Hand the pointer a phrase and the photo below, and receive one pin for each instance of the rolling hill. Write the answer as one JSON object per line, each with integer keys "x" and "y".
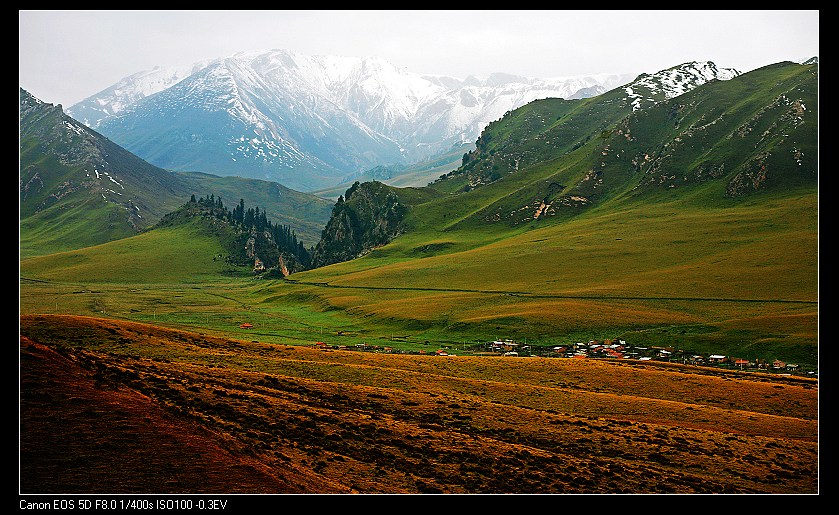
{"x": 305, "y": 213}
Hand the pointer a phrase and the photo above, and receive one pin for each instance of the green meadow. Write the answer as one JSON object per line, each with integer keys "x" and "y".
{"x": 739, "y": 280}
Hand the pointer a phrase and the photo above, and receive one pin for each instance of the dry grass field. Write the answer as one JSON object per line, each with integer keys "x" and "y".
{"x": 117, "y": 407}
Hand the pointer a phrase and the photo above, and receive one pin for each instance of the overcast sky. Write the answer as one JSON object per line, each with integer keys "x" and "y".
{"x": 66, "y": 56}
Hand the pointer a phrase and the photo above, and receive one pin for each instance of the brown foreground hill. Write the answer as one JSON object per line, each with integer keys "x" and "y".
{"x": 116, "y": 407}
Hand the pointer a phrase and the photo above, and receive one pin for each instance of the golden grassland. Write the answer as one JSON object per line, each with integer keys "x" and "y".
{"x": 308, "y": 420}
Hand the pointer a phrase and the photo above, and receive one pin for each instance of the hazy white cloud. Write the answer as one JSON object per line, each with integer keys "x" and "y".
{"x": 66, "y": 56}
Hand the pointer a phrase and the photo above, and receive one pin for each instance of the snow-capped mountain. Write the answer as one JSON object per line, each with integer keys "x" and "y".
{"x": 460, "y": 113}
{"x": 309, "y": 121}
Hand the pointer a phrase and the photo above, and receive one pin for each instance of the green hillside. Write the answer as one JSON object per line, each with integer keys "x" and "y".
{"x": 79, "y": 189}
{"x": 180, "y": 254}
{"x": 556, "y": 158}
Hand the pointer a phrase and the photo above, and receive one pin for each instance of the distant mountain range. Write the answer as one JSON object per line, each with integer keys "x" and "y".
{"x": 307, "y": 121}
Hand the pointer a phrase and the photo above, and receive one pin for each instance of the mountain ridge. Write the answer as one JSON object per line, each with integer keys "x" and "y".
{"x": 71, "y": 173}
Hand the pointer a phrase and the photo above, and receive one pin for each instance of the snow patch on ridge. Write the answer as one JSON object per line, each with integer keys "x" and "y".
{"x": 73, "y": 127}
{"x": 675, "y": 81}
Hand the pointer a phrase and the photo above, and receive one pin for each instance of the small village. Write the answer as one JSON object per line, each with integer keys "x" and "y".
{"x": 617, "y": 349}
{"x": 606, "y": 349}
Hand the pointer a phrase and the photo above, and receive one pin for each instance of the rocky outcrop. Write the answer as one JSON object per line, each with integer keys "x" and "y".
{"x": 369, "y": 215}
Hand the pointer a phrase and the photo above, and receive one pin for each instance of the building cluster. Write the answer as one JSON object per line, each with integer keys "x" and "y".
{"x": 608, "y": 349}
{"x": 619, "y": 349}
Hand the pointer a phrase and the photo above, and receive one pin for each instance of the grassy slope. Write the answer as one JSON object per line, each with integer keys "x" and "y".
{"x": 602, "y": 275}
{"x": 170, "y": 255}
{"x": 97, "y": 222}
{"x": 747, "y": 251}
{"x": 56, "y": 217}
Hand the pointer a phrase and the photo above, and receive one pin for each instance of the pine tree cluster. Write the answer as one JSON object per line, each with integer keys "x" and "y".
{"x": 256, "y": 221}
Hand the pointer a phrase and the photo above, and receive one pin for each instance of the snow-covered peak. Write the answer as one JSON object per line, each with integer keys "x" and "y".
{"x": 675, "y": 81}
{"x": 129, "y": 90}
